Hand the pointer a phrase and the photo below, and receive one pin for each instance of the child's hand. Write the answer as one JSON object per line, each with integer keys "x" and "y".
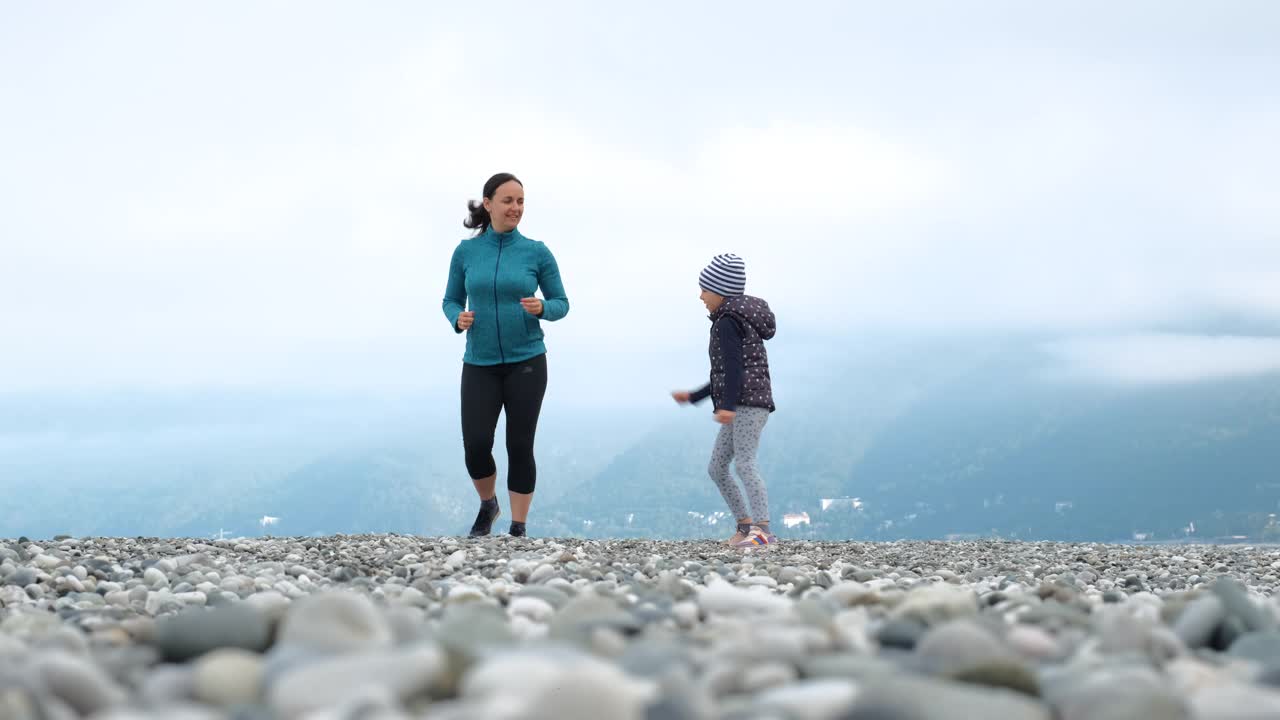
{"x": 724, "y": 417}
{"x": 465, "y": 319}
{"x": 680, "y": 397}
{"x": 532, "y": 305}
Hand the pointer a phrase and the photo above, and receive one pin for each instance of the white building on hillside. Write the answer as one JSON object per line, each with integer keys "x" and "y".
{"x": 794, "y": 519}
{"x": 850, "y": 503}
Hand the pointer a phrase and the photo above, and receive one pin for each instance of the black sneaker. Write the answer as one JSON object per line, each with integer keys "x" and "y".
{"x": 517, "y": 529}
{"x": 484, "y": 520}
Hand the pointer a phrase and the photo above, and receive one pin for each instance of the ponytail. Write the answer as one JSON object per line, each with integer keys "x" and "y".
{"x": 479, "y": 219}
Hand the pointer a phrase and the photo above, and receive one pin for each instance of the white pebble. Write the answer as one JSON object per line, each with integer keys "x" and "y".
{"x": 533, "y": 608}
{"x": 721, "y": 597}
{"x": 685, "y": 613}
{"x": 543, "y": 572}
{"x": 464, "y": 593}
{"x": 810, "y": 699}
{"x": 47, "y": 562}
{"x": 194, "y": 599}
{"x": 456, "y": 560}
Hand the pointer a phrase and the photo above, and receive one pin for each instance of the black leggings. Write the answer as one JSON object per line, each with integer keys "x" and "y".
{"x": 486, "y": 391}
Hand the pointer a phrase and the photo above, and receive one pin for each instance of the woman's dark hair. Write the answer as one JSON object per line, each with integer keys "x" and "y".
{"x": 479, "y": 220}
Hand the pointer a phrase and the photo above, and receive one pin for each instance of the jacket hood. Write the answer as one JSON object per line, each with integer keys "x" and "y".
{"x": 751, "y": 310}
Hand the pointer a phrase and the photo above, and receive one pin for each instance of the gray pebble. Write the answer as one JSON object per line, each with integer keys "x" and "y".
{"x": 1199, "y": 620}
{"x": 192, "y": 633}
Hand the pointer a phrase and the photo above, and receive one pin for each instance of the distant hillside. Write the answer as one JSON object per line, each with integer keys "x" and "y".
{"x": 877, "y": 441}
{"x": 206, "y": 463}
{"x": 947, "y": 441}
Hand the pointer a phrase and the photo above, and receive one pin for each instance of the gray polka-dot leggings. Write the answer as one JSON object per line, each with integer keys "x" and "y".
{"x": 737, "y": 443}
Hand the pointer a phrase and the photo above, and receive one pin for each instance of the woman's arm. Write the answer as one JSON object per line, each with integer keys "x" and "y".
{"x": 455, "y": 291}
{"x": 555, "y": 304}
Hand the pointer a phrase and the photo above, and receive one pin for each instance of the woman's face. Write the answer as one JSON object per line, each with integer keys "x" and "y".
{"x": 506, "y": 206}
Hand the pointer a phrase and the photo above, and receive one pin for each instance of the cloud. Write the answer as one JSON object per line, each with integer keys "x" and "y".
{"x": 288, "y": 210}
{"x": 1243, "y": 180}
{"x": 799, "y": 172}
{"x": 1164, "y": 359}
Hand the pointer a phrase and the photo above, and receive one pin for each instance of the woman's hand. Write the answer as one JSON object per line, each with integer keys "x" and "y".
{"x": 532, "y": 305}
{"x": 724, "y": 417}
{"x": 680, "y": 397}
{"x": 466, "y": 319}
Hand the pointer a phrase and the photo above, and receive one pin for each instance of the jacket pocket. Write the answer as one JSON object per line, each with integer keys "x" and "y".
{"x": 532, "y": 326}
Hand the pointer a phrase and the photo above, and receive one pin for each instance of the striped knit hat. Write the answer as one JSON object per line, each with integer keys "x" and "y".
{"x": 726, "y": 275}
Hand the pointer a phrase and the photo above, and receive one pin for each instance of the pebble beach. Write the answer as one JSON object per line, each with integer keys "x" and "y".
{"x": 394, "y": 626}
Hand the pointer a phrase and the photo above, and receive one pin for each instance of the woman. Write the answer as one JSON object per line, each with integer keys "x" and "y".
{"x": 505, "y": 364}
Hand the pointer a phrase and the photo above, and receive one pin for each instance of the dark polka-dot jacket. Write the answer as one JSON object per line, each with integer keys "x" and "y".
{"x": 755, "y": 324}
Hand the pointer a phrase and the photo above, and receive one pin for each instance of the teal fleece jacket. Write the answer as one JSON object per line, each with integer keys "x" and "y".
{"x": 495, "y": 271}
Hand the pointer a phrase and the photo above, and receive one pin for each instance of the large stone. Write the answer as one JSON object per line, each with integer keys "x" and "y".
{"x": 533, "y": 608}
{"x": 1199, "y": 620}
{"x": 766, "y": 675}
{"x": 472, "y": 630}
{"x": 228, "y": 677}
{"x": 192, "y": 633}
{"x": 556, "y": 685}
{"x": 18, "y": 703}
{"x": 1115, "y": 692}
{"x": 1237, "y": 603}
{"x": 1034, "y": 643}
{"x": 901, "y": 633}
{"x": 1236, "y": 702}
{"x": 48, "y": 562}
{"x": 335, "y": 622}
{"x": 405, "y": 672}
{"x": 959, "y": 645}
{"x": 29, "y": 625}
{"x": 12, "y": 596}
{"x": 909, "y": 698}
{"x": 557, "y": 598}
{"x": 1008, "y": 674}
{"x": 1231, "y": 629}
{"x": 937, "y": 604}
{"x": 11, "y": 648}
{"x": 1260, "y": 647}
{"x": 808, "y": 700}
{"x": 1054, "y": 615}
{"x": 271, "y": 604}
{"x": 720, "y": 597}
{"x": 848, "y": 594}
{"x": 579, "y": 619}
{"x": 166, "y": 684}
{"x": 155, "y": 578}
{"x": 77, "y": 681}
{"x": 655, "y": 659}
{"x": 852, "y": 666}
{"x": 21, "y": 577}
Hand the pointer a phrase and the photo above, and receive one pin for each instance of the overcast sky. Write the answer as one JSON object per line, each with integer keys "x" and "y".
{"x": 269, "y": 192}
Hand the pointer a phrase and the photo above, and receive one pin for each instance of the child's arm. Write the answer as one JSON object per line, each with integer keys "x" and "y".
{"x": 731, "y": 347}
{"x": 731, "y": 350}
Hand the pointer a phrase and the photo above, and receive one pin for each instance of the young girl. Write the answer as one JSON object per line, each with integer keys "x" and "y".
{"x": 740, "y": 391}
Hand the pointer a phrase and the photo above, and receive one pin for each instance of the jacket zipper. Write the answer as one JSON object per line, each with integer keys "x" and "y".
{"x": 497, "y": 311}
